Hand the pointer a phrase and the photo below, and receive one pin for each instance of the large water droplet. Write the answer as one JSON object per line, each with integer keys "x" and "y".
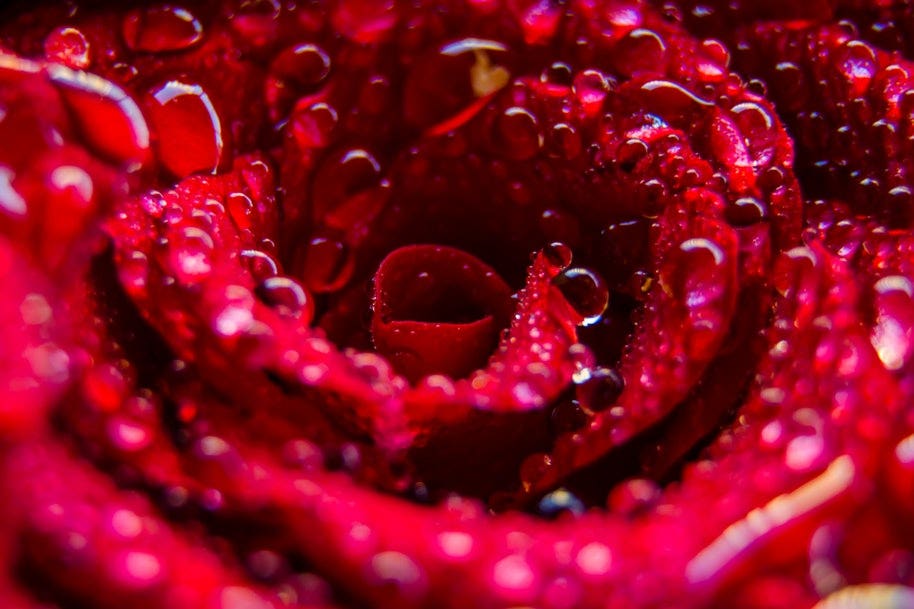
{"x": 188, "y": 128}
{"x": 893, "y": 332}
{"x": 640, "y": 51}
{"x": 94, "y": 101}
{"x": 287, "y": 296}
{"x": 585, "y": 292}
{"x": 297, "y": 71}
{"x": 327, "y": 265}
{"x": 598, "y": 389}
{"x": 157, "y": 29}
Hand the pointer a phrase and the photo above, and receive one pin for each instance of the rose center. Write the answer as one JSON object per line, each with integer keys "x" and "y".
{"x": 437, "y": 310}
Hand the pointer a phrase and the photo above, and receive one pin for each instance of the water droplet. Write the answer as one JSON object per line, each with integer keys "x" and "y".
{"x": 746, "y": 211}
{"x": 857, "y": 62}
{"x": 559, "y": 75}
{"x": 128, "y": 435}
{"x": 158, "y": 29}
{"x": 314, "y": 126}
{"x": 791, "y": 84}
{"x": 630, "y": 152}
{"x": 398, "y": 569}
{"x": 640, "y": 51}
{"x": 594, "y": 559}
{"x": 599, "y": 389}
{"x": 672, "y": 101}
{"x": 297, "y": 71}
{"x": 265, "y": 565}
{"x": 893, "y": 332}
{"x": 517, "y": 134}
{"x": 302, "y": 454}
{"x": 591, "y": 88}
{"x": 633, "y": 497}
{"x": 693, "y": 276}
{"x": 364, "y": 21}
{"x": 539, "y": 19}
{"x": 585, "y": 292}
{"x": 95, "y": 101}
{"x": 189, "y": 255}
{"x": 565, "y": 141}
{"x": 514, "y": 574}
{"x": 558, "y": 255}
{"x": 260, "y": 264}
{"x": 287, "y": 297}
{"x": 327, "y": 265}
{"x": 558, "y": 502}
{"x": 188, "y": 128}
{"x": 348, "y": 189}
{"x": 566, "y": 416}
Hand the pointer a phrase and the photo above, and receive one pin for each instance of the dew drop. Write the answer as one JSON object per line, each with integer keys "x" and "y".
{"x": 94, "y": 101}
{"x": 297, "y": 71}
{"x": 640, "y": 51}
{"x": 585, "y": 292}
{"x": 857, "y": 62}
{"x": 590, "y": 89}
{"x": 188, "y": 128}
{"x": 287, "y": 297}
{"x": 327, "y": 265}
{"x": 893, "y": 333}
{"x": 558, "y": 502}
{"x": 558, "y": 255}
{"x": 633, "y": 496}
{"x": 364, "y": 21}
{"x": 260, "y": 264}
{"x": 517, "y": 134}
{"x": 599, "y": 389}
{"x": 189, "y": 255}
{"x": 157, "y": 29}
{"x": 566, "y": 416}
{"x": 694, "y": 277}
{"x": 314, "y": 126}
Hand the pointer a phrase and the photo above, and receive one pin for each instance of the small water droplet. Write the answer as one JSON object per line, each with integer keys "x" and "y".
{"x": 558, "y": 502}
{"x": 189, "y": 255}
{"x": 558, "y": 255}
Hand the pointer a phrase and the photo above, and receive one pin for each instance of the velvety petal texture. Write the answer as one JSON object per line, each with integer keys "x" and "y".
{"x": 446, "y": 303}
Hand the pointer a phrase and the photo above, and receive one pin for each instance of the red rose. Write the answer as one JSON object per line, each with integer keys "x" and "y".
{"x": 503, "y": 303}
